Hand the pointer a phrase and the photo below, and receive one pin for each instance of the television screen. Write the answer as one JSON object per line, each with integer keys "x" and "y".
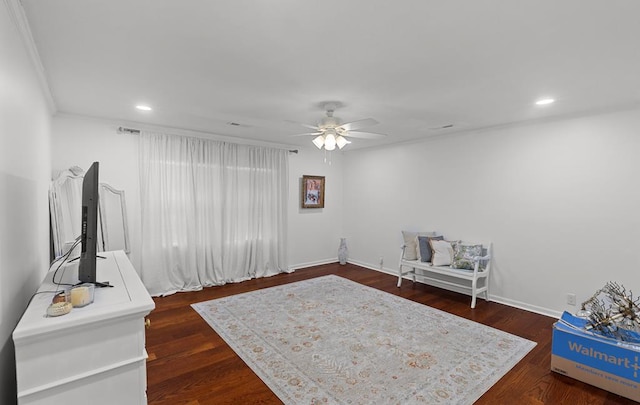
{"x": 89, "y": 226}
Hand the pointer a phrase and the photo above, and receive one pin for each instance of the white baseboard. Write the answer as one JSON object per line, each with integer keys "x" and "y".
{"x": 527, "y": 307}
{"x": 311, "y": 264}
{"x": 500, "y": 300}
{"x": 371, "y": 267}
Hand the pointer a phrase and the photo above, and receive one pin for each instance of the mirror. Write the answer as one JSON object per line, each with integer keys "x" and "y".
{"x": 113, "y": 219}
{"x": 65, "y": 205}
{"x": 65, "y": 201}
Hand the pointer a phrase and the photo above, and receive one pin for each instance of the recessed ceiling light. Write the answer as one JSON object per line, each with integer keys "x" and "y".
{"x": 143, "y": 107}
{"x": 545, "y": 101}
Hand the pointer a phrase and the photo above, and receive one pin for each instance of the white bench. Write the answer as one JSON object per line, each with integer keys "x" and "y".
{"x": 476, "y": 280}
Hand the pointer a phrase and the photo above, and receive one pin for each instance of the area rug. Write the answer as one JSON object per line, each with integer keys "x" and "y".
{"x": 330, "y": 340}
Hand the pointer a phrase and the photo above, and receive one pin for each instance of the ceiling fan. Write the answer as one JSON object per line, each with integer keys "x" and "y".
{"x": 330, "y": 132}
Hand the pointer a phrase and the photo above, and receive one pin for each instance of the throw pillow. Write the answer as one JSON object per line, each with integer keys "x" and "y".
{"x": 411, "y": 247}
{"x": 463, "y": 256}
{"x": 424, "y": 248}
{"x": 442, "y": 252}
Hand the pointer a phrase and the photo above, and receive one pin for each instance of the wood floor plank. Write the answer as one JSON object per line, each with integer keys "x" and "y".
{"x": 190, "y": 364}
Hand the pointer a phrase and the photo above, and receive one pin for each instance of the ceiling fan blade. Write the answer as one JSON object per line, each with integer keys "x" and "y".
{"x": 354, "y": 125}
{"x": 364, "y": 135}
{"x": 308, "y": 134}
{"x": 304, "y": 125}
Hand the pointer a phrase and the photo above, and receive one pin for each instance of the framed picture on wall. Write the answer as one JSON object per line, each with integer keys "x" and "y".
{"x": 312, "y": 192}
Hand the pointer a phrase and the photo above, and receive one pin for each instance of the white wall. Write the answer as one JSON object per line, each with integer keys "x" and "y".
{"x": 24, "y": 173}
{"x": 559, "y": 200}
{"x": 80, "y": 141}
{"x": 313, "y": 233}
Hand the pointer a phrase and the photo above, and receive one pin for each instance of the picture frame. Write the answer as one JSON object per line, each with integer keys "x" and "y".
{"x": 312, "y": 195}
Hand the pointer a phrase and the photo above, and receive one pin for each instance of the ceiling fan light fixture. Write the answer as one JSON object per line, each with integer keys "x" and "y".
{"x": 341, "y": 141}
{"x": 318, "y": 141}
{"x": 330, "y": 142}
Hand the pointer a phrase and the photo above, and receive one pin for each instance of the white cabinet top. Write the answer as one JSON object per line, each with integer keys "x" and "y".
{"x": 127, "y": 297}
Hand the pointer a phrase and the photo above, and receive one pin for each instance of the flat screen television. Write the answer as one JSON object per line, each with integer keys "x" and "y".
{"x": 89, "y": 227}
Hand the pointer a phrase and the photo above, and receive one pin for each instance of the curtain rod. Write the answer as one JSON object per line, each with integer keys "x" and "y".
{"x": 124, "y": 130}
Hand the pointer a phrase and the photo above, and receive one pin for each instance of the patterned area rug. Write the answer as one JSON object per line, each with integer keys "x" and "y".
{"x": 331, "y": 340}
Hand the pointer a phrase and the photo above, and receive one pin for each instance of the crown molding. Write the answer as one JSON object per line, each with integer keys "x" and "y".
{"x": 19, "y": 18}
{"x": 146, "y": 127}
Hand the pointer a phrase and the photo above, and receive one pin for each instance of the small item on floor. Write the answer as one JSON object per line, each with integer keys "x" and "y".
{"x": 343, "y": 252}
{"x": 600, "y": 345}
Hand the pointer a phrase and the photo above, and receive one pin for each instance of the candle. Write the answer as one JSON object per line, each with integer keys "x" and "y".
{"x": 80, "y": 296}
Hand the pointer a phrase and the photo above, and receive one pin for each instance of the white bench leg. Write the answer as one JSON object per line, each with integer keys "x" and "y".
{"x": 474, "y": 294}
{"x": 399, "y": 276}
{"x": 486, "y": 292}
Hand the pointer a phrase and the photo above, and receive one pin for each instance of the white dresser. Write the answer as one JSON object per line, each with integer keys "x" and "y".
{"x": 95, "y": 354}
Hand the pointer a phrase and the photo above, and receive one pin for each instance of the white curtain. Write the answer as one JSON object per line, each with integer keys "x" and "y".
{"x": 212, "y": 212}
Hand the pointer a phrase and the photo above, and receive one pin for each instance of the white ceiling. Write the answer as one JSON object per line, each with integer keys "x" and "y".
{"x": 413, "y": 65}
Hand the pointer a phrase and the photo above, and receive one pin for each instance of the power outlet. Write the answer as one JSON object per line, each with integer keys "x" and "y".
{"x": 571, "y": 299}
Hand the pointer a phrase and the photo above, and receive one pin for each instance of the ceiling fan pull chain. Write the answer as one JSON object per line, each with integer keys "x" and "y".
{"x": 327, "y": 161}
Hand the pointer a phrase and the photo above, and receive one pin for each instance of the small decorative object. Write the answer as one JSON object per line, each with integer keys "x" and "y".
{"x": 82, "y": 295}
{"x": 312, "y": 192}
{"x": 613, "y": 312}
{"x": 343, "y": 252}
{"x": 62, "y": 296}
{"x": 59, "y": 309}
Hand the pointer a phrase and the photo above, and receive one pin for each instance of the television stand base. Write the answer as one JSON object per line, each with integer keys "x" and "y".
{"x": 102, "y": 284}
{"x": 97, "y": 284}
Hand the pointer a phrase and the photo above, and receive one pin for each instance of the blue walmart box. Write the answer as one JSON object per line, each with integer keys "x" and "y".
{"x": 596, "y": 360}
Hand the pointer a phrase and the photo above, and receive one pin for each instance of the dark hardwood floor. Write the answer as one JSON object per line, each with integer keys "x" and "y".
{"x": 190, "y": 364}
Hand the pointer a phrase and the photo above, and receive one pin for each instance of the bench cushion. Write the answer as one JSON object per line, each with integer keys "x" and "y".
{"x": 446, "y": 270}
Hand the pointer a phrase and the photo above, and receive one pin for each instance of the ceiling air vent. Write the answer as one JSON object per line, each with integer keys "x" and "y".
{"x": 238, "y": 124}
{"x": 441, "y": 127}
